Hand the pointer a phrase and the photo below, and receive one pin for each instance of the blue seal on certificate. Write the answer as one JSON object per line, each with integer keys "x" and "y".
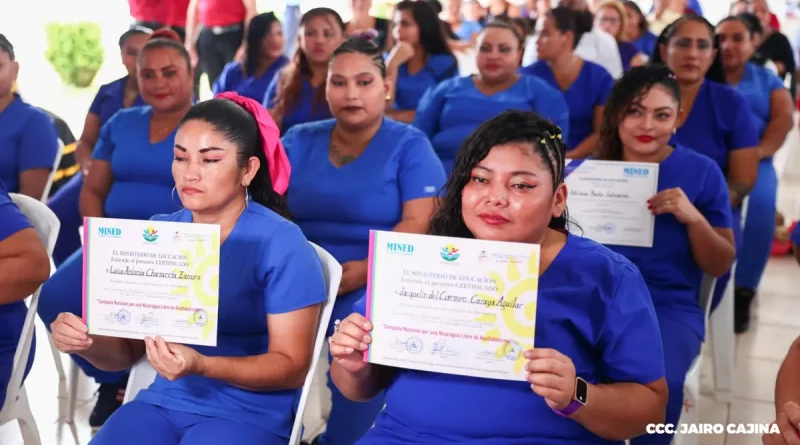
{"x": 414, "y": 345}
{"x": 123, "y": 316}
{"x": 512, "y": 351}
{"x": 200, "y": 317}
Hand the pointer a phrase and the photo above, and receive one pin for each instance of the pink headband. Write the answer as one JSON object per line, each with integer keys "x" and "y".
{"x": 277, "y": 161}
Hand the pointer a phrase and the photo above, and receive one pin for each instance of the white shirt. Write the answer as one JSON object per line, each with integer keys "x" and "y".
{"x": 595, "y": 46}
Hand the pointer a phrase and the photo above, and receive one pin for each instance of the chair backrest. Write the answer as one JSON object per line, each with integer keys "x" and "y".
{"x": 707, "y": 294}
{"x": 56, "y": 164}
{"x": 47, "y": 225}
{"x": 142, "y": 374}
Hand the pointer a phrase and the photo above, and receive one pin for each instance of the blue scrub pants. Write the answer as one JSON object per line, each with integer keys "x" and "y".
{"x": 348, "y": 421}
{"x": 63, "y": 292}
{"x": 722, "y": 282}
{"x": 65, "y": 205}
{"x": 681, "y": 346}
{"x": 136, "y": 423}
{"x": 759, "y": 229}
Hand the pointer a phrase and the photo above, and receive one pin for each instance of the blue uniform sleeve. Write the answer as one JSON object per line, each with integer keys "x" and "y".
{"x": 272, "y": 90}
{"x": 603, "y": 84}
{"x": 550, "y": 103}
{"x": 630, "y": 341}
{"x": 97, "y": 103}
{"x": 290, "y": 146}
{"x": 429, "y": 110}
{"x": 293, "y": 273}
{"x": 11, "y": 219}
{"x": 773, "y": 82}
{"x": 743, "y": 132}
{"x": 420, "y": 173}
{"x": 220, "y": 85}
{"x": 38, "y": 146}
{"x": 444, "y": 66}
{"x": 104, "y": 147}
{"x": 713, "y": 200}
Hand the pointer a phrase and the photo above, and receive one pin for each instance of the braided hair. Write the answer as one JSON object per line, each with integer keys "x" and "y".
{"x": 509, "y": 127}
{"x": 362, "y": 44}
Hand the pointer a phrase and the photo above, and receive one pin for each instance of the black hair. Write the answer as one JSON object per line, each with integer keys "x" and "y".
{"x": 750, "y": 21}
{"x": 257, "y": 30}
{"x": 431, "y": 31}
{"x": 508, "y": 127}
{"x": 133, "y": 31}
{"x": 566, "y": 19}
{"x": 502, "y": 24}
{"x": 636, "y": 9}
{"x": 715, "y": 72}
{"x": 166, "y": 38}
{"x": 6, "y": 47}
{"x": 240, "y": 128}
{"x": 629, "y": 89}
{"x": 365, "y": 46}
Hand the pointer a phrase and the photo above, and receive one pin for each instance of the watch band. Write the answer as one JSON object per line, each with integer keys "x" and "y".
{"x": 571, "y": 408}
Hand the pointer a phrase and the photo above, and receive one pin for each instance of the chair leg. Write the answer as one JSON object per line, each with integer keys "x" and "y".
{"x": 63, "y": 394}
{"x": 27, "y": 424}
{"x": 74, "y": 373}
{"x": 722, "y": 344}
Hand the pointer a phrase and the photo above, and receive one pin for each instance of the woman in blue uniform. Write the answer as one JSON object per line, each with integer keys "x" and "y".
{"x": 637, "y": 31}
{"x": 451, "y": 111}
{"x": 371, "y": 173}
{"x": 599, "y": 327}
{"x": 263, "y": 59}
{"x": 586, "y": 85}
{"x": 28, "y": 139}
{"x": 772, "y": 109}
{"x": 25, "y": 266}
{"x": 420, "y": 60}
{"x": 129, "y": 178}
{"x": 110, "y": 98}
{"x": 716, "y": 119}
{"x": 692, "y": 234}
{"x": 229, "y": 169}
{"x": 297, "y": 94}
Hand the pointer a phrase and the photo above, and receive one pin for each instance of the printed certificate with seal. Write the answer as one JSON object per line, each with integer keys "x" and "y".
{"x": 451, "y": 305}
{"x": 608, "y": 200}
{"x": 148, "y": 278}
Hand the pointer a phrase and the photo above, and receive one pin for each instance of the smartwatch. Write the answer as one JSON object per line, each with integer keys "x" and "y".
{"x": 579, "y": 399}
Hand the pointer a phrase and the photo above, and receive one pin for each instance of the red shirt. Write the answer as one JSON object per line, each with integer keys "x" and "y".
{"x": 177, "y": 12}
{"x": 149, "y": 10}
{"x": 221, "y": 12}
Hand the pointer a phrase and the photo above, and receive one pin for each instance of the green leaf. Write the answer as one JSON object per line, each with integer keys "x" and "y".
{"x": 75, "y": 50}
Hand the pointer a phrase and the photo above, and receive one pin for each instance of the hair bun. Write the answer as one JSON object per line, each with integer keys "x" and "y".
{"x": 166, "y": 33}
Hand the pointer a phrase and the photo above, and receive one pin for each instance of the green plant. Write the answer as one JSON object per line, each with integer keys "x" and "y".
{"x": 76, "y": 52}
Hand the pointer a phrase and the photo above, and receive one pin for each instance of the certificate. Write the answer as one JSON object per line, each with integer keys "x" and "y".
{"x": 148, "y": 278}
{"x": 608, "y": 200}
{"x": 451, "y": 305}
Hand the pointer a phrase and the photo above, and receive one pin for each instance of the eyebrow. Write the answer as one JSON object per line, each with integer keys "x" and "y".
{"x": 514, "y": 173}
{"x": 202, "y": 150}
{"x": 365, "y": 73}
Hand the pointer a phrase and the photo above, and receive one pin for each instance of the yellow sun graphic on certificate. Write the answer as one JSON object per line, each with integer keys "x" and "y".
{"x": 202, "y": 293}
{"x": 519, "y": 279}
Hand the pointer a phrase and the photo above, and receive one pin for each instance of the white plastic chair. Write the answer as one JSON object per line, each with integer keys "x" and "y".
{"x": 16, "y": 405}
{"x": 56, "y": 164}
{"x": 142, "y": 374}
{"x": 722, "y": 337}
{"x": 691, "y": 386}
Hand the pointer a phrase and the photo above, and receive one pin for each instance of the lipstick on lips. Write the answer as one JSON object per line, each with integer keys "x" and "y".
{"x": 645, "y": 138}
{"x": 493, "y": 219}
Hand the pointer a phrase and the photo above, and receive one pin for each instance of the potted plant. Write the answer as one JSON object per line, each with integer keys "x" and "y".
{"x": 76, "y": 52}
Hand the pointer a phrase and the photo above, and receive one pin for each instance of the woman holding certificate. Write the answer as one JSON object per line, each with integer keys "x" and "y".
{"x": 772, "y": 107}
{"x": 230, "y": 169}
{"x": 597, "y": 339}
{"x": 716, "y": 120}
{"x": 129, "y": 178}
{"x": 692, "y": 233}
{"x": 357, "y": 172}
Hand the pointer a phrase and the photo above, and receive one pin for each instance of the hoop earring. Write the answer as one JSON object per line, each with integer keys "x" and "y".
{"x": 172, "y": 197}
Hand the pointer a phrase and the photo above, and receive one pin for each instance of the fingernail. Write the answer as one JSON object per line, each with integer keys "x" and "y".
{"x": 367, "y": 325}
{"x": 348, "y": 350}
{"x": 528, "y": 354}
{"x": 366, "y": 339}
{"x": 363, "y": 346}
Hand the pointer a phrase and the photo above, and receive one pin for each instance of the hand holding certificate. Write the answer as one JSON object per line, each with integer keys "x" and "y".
{"x": 151, "y": 278}
{"x": 451, "y": 305}
{"x": 609, "y": 200}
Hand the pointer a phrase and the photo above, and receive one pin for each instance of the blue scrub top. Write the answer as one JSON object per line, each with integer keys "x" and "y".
{"x": 306, "y": 108}
{"x": 468, "y": 29}
{"x": 110, "y": 98}
{"x": 266, "y": 267}
{"x": 593, "y": 306}
{"x": 142, "y": 172}
{"x": 720, "y": 121}
{"x": 397, "y": 166}
{"x": 411, "y": 87}
{"x": 646, "y": 44}
{"x": 450, "y": 112}
{"x": 669, "y": 268}
{"x": 590, "y": 90}
{"x": 233, "y": 79}
{"x": 28, "y": 141}
{"x": 756, "y": 86}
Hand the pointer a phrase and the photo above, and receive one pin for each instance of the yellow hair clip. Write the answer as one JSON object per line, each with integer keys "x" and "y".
{"x": 544, "y": 141}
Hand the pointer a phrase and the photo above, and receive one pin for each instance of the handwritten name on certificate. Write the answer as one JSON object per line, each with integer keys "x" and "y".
{"x": 608, "y": 200}
{"x": 148, "y": 278}
{"x": 451, "y": 305}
